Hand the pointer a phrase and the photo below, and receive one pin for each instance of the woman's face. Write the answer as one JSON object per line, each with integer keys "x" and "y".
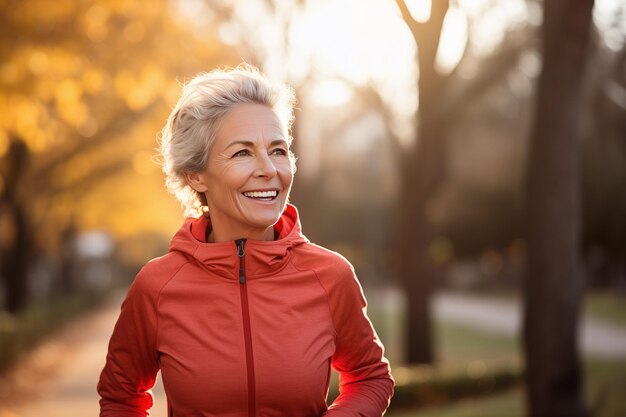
{"x": 248, "y": 175}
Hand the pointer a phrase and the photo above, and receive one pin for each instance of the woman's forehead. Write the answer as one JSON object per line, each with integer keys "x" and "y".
{"x": 250, "y": 122}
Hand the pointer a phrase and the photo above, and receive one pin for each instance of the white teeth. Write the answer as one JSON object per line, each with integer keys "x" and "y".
{"x": 261, "y": 194}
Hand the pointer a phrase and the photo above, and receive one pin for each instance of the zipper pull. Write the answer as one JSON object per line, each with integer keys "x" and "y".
{"x": 241, "y": 252}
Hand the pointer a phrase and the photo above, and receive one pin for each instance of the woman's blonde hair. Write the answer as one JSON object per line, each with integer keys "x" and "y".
{"x": 186, "y": 139}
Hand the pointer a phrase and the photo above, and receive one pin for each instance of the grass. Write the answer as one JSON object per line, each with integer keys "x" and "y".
{"x": 460, "y": 346}
{"x": 608, "y": 306}
{"x": 463, "y": 349}
{"x": 455, "y": 346}
{"x": 507, "y": 404}
{"x": 605, "y": 384}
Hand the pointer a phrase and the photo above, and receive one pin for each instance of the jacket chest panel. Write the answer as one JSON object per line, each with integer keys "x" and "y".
{"x": 201, "y": 346}
{"x": 203, "y": 351}
{"x": 294, "y": 345}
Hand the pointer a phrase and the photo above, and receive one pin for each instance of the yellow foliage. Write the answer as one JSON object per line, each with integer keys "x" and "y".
{"x": 134, "y": 31}
{"x": 38, "y": 140}
{"x": 44, "y": 12}
{"x": 10, "y": 73}
{"x": 143, "y": 163}
{"x": 24, "y": 114}
{"x": 67, "y": 91}
{"x": 38, "y": 62}
{"x": 63, "y": 63}
{"x": 141, "y": 90}
{"x": 123, "y": 82}
{"x": 88, "y": 128}
{"x": 172, "y": 91}
{"x": 24, "y": 117}
{"x": 93, "y": 80}
{"x": 5, "y": 117}
{"x": 68, "y": 102}
{"x": 95, "y": 22}
{"x": 131, "y": 204}
{"x": 45, "y": 88}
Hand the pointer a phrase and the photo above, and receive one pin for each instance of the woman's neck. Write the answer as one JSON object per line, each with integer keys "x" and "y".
{"x": 215, "y": 236}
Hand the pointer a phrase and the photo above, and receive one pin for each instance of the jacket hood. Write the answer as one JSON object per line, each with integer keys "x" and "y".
{"x": 262, "y": 258}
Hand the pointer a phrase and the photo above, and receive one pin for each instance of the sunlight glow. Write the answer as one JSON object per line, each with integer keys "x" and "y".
{"x": 453, "y": 40}
{"x": 419, "y": 9}
{"x": 331, "y": 93}
{"x": 358, "y": 40}
{"x": 606, "y": 15}
{"x": 363, "y": 42}
{"x": 492, "y": 21}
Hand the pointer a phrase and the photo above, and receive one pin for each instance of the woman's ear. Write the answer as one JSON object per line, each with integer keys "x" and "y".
{"x": 196, "y": 181}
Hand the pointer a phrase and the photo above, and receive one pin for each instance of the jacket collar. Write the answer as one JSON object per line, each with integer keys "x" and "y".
{"x": 261, "y": 258}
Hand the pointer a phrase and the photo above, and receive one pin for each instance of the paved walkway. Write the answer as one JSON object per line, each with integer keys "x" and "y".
{"x": 59, "y": 378}
{"x": 504, "y": 317}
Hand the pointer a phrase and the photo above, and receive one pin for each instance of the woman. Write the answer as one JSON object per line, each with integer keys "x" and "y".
{"x": 243, "y": 316}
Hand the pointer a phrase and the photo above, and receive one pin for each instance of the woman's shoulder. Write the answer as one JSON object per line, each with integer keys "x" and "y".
{"x": 323, "y": 261}
{"x": 159, "y": 271}
{"x": 312, "y": 253}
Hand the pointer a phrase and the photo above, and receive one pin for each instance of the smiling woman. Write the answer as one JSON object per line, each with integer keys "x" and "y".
{"x": 203, "y": 117}
{"x": 244, "y": 316}
{"x": 248, "y": 175}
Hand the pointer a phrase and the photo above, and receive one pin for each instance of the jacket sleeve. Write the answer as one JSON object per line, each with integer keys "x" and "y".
{"x": 365, "y": 381}
{"x": 132, "y": 360}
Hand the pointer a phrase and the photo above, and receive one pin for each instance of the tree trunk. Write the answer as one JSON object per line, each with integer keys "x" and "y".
{"x": 554, "y": 283}
{"x": 15, "y": 264}
{"x": 15, "y": 253}
{"x": 422, "y": 172}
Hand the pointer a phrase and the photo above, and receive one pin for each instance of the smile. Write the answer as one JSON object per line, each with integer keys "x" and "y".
{"x": 261, "y": 195}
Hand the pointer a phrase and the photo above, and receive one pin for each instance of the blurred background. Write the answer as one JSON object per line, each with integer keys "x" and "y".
{"x": 413, "y": 136}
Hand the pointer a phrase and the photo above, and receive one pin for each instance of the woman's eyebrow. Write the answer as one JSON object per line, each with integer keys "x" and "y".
{"x": 278, "y": 142}
{"x": 240, "y": 142}
{"x": 251, "y": 144}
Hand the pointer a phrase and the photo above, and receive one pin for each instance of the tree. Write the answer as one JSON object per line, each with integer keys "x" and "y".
{"x": 442, "y": 98}
{"x": 554, "y": 283}
{"x": 17, "y": 245}
{"x": 78, "y": 79}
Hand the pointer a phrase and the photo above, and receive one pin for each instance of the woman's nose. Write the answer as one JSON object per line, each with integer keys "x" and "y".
{"x": 265, "y": 166}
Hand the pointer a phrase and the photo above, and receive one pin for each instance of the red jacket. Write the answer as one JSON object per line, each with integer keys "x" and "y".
{"x": 245, "y": 328}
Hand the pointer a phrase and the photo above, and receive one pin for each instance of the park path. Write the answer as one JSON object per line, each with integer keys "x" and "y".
{"x": 501, "y": 316}
{"x": 59, "y": 378}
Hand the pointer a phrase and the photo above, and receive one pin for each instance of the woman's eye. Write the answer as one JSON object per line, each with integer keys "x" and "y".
{"x": 279, "y": 151}
{"x": 242, "y": 152}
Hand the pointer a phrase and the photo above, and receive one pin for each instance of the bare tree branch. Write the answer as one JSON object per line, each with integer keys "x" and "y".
{"x": 93, "y": 177}
{"x": 42, "y": 175}
{"x": 433, "y": 25}
{"x": 492, "y": 70}
{"x": 413, "y": 24}
{"x": 80, "y": 186}
{"x": 226, "y": 13}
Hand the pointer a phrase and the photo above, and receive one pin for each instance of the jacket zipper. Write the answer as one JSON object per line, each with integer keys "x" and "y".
{"x": 243, "y": 290}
